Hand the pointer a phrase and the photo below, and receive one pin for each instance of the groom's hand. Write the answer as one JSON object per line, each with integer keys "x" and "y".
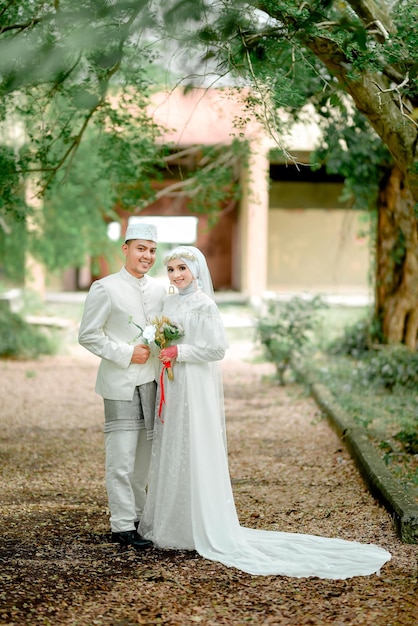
{"x": 140, "y": 354}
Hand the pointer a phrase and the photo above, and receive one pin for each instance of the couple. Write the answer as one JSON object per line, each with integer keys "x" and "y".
{"x": 186, "y": 500}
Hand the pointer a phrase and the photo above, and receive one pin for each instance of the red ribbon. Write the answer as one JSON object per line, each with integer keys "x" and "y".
{"x": 165, "y": 366}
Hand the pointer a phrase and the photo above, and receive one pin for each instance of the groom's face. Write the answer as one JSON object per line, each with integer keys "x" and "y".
{"x": 140, "y": 256}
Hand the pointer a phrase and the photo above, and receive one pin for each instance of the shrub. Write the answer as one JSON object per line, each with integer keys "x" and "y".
{"x": 391, "y": 366}
{"x": 409, "y": 439}
{"x": 286, "y": 329}
{"x": 354, "y": 342}
{"x": 18, "y": 339}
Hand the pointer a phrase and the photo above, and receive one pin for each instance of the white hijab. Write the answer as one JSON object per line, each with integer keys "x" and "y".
{"x": 196, "y": 262}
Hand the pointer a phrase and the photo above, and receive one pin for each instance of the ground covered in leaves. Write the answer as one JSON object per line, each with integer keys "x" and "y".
{"x": 289, "y": 470}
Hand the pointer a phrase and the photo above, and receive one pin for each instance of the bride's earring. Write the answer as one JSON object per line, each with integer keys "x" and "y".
{"x": 171, "y": 290}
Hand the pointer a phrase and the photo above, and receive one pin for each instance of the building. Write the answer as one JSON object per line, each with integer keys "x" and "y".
{"x": 289, "y": 233}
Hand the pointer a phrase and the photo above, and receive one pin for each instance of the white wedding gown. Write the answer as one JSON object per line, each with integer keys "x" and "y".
{"x": 190, "y": 504}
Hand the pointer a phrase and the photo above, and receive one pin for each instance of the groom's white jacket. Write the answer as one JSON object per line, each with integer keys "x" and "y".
{"x": 106, "y": 330}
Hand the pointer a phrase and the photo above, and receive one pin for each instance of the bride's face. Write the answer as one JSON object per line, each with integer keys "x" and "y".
{"x": 179, "y": 274}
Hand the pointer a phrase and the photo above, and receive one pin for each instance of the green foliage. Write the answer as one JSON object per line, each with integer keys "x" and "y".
{"x": 215, "y": 178}
{"x": 11, "y": 184}
{"x": 13, "y": 246}
{"x": 409, "y": 438}
{"x": 293, "y": 53}
{"x": 286, "y": 331}
{"x": 12, "y": 214}
{"x": 389, "y": 417}
{"x": 78, "y": 78}
{"x": 351, "y": 149}
{"x": 60, "y": 67}
{"x": 114, "y": 170}
{"x": 355, "y": 340}
{"x": 78, "y": 52}
{"x": 71, "y": 224}
{"x": 63, "y": 67}
{"x": 21, "y": 340}
{"x": 63, "y": 64}
{"x": 390, "y": 367}
{"x": 128, "y": 155}
{"x": 380, "y": 365}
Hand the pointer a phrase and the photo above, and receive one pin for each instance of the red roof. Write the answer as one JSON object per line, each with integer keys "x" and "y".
{"x": 201, "y": 116}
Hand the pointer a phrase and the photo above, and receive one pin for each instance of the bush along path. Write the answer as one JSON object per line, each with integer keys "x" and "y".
{"x": 290, "y": 472}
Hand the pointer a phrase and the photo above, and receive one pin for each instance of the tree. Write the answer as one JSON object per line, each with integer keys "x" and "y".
{"x": 361, "y": 49}
{"x": 75, "y": 83}
{"x": 58, "y": 66}
{"x": 362, "y": 53}
{"x": 69, "y": 72}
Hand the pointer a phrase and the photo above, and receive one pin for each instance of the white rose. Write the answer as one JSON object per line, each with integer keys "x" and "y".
{"x": 149, "y": 332}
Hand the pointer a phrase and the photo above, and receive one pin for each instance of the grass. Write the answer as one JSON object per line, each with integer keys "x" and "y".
{"x": 390, "y": 416}
{"x": 335, "y": 319}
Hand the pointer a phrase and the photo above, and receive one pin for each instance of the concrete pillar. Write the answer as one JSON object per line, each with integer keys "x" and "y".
{"x": 254, "y": 221}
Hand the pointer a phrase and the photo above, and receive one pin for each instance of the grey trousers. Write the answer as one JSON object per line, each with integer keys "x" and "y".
{"x": 128, "y": 440}
{"x": 128, "y": 454}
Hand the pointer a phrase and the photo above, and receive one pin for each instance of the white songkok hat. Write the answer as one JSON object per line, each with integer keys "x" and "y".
{"x": 141, "y": 230}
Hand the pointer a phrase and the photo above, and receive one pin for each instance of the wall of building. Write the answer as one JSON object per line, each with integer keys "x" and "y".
{"x": 314, "y": 243}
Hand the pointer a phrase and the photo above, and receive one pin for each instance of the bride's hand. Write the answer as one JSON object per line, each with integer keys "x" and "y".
{"x": 168, "y": 354}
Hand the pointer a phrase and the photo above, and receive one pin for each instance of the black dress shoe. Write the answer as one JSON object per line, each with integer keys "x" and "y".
{"x": 131, "y": 538}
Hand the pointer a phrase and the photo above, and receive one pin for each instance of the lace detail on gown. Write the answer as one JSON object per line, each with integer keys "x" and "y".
{"x": 168, "y": 499}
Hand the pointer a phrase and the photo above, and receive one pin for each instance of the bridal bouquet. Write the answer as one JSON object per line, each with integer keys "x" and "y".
{"x": 166, "y": 331}
{"x": 162, "y": 331}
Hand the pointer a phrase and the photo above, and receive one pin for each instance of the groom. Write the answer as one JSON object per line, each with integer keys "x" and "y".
{"x": 115, "y": 307}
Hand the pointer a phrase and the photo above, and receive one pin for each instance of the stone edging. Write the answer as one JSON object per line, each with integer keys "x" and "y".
{"x": 382, "y": 484}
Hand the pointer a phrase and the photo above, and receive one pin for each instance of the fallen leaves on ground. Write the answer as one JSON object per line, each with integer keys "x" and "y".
{"x": 290, "y": 472}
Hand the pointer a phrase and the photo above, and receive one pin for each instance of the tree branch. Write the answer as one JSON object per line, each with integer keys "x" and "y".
{"x": 402, "y": 105}
{"x": 7, "y": 6}
{"x": 373, "y": 13}
{"x": 21, "y": 27}
{"x": 189, "y": 187}
{"x": 383, "y": 114}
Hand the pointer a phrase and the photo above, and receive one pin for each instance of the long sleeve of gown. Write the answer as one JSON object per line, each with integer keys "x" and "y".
{"x": 192, "y": 354}
{"x": 205, "y": 339}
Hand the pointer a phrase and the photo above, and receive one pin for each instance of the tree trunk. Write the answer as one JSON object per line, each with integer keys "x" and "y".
{"x": 397, "y": 262}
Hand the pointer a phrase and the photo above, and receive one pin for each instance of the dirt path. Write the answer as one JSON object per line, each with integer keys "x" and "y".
{"x": 289, "y": 471}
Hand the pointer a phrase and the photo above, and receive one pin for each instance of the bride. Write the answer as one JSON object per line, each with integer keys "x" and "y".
{"x": 190, "y": 504}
